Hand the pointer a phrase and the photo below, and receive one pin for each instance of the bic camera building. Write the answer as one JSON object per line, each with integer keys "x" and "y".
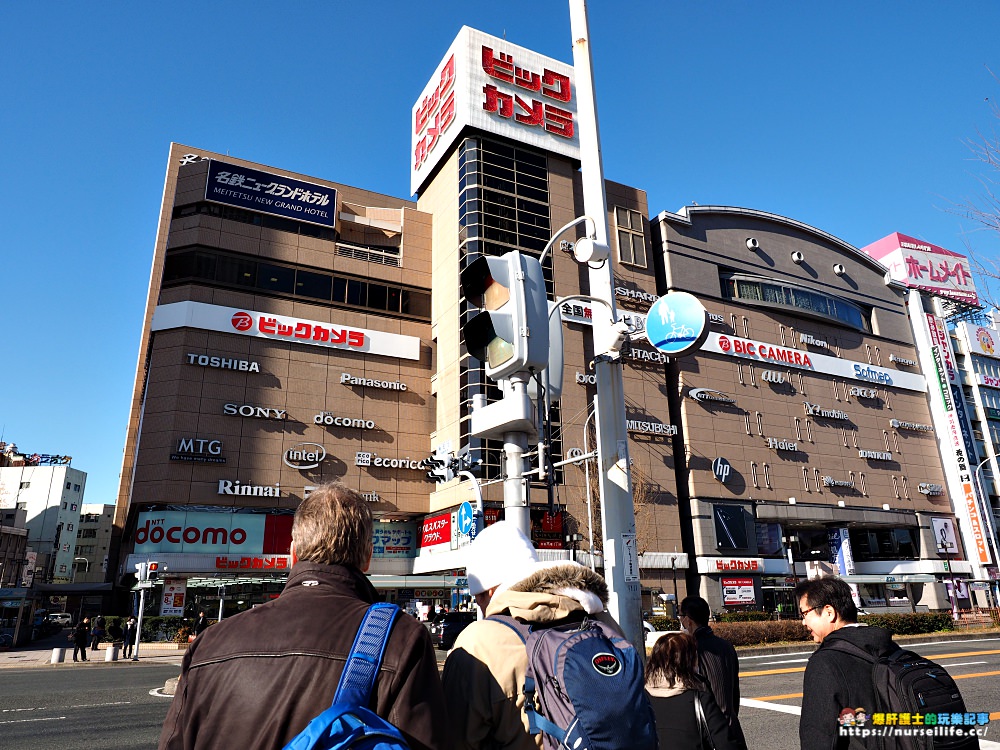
{"x": 299, "y": 331}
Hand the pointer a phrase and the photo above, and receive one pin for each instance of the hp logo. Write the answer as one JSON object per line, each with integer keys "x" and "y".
{"x": 721, "y": 468}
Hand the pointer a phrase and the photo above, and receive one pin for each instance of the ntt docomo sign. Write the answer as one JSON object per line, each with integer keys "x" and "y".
{"x": 177, "y": 531}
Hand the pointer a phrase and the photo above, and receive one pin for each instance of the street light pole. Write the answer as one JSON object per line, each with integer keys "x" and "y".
{"x": 614, "y": 474}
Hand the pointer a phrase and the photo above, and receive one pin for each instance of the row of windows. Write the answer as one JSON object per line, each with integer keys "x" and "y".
{"x": 986, "y": 366}
{"x": 775, "y": 294}
{"x": 504, "y": 205}
{"x": 732, "y": 524}
{"x": 252, "y": 217}
{"x": 201, "y": 265}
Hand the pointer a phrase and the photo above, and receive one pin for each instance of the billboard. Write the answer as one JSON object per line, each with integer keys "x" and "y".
{"x": 925, "y": 266}
{"x": 489, "y": 84}
{"x": 982, "y": 340}
{"x": 273, "y": 194}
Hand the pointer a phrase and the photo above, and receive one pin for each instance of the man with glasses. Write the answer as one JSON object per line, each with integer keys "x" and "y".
{"x": 834, "y": 679}
{"x": 717, "y": 662}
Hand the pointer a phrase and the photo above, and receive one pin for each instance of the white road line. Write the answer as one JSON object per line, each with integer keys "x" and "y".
{"x": 98, "y": 705}
{"x": 12, "y": 710}
{"x": 771, "y": 656}
{"x": 950, "y": 643}
{"x": 781, "y": 707}
{"x": 988, "y": 744}
{"x": 963, "y": 664}
{"x": 788, "y": 661}
{"x": 25, "y": 721}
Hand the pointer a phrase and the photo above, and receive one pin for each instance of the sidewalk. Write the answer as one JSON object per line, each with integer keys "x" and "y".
{"x": 39, "y": 653}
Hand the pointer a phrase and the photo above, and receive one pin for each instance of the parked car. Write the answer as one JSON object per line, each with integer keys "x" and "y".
{"x": 62, "y": 619}
{"x": 446, "y": 630}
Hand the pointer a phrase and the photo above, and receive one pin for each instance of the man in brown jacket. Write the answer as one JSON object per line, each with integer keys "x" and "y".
{"x": 257, "y": 679}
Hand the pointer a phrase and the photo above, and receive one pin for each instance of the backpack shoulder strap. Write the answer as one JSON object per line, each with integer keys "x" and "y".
{"x": 365, "y": 658}
{"x": 850, "y": 648}
{"x": 519, "y": 628}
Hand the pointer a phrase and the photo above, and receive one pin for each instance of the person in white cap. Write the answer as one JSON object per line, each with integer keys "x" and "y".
{"x": 484, "y": 672}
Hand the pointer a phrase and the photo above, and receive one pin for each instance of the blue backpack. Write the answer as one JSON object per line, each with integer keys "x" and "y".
{"x": 584, "y": 687}
{"x": 349, "y": 723}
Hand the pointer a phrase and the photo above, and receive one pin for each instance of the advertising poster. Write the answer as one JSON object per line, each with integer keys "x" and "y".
{"x": 172, "y": 598}
{"x": 738, "y": 591}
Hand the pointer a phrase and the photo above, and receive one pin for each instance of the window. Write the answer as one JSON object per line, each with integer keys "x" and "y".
{"x": 221, "y": 268}
{"x": 798, "y": 430}
{"x": 76, "y": 488}
{"x": 767, "y": 476}
{"x": 69, "y": 527}
{"x": 631, "y": 241}
{"x": 68, "y": 485}
{"x": 25, "y": 485}
{"x": 88, "y": 533}
{"x": 746, "y": 417}
{"x": 760, "y": 424}
{"x": 72, "y": 506}
{"x": 62, "y": 568}
{"x": 765, "y": 292}
{"x": 730, "y": 527}
{"x": 753, "y": 474}
{"x": 864, "y": 488}
{"x": 805, "y": 478}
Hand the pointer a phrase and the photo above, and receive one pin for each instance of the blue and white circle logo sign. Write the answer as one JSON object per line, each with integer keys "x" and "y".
{"x": 677, "y": 323}
{"x": 721, "y": 468}
{"x": 465, "y": 517}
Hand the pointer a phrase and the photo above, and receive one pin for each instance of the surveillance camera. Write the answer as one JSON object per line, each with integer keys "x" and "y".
{"x": 839, "y": 269}
{"x": 752, "y": 243}
{"x": 797, "y": 257}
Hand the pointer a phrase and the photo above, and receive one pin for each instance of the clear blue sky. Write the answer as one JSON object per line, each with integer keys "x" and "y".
{"x": 848, "y": 116}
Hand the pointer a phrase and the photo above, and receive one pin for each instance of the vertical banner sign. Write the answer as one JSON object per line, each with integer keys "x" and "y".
{"x": 840, "y": 551}
{"x": 954, "y": 434}
{"x": 944, "y": 535}
{"x": 630, "y": 558}
{"x": 172, "y": 600}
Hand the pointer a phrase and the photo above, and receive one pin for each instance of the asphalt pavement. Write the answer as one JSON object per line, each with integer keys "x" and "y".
{"x": 121, "y": 704}
{"x": 771, "y": 686}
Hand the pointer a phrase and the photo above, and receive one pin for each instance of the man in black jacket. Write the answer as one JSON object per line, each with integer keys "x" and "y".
{"x": 255, "y": 680}
{"x": 717, "y": 662}
{"x": 835, "y": 680}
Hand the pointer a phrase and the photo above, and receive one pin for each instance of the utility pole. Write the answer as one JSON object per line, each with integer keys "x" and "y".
{"x": 621, "y": 563}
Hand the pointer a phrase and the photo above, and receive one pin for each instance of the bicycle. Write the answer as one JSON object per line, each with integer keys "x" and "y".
{"x": 6, "y": 640}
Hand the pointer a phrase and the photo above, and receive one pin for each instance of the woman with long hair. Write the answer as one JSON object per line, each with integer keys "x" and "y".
{"x": 687, "y": 716}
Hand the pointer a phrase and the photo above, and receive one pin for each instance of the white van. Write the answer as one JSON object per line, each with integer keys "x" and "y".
{"x": 61, "y": 618}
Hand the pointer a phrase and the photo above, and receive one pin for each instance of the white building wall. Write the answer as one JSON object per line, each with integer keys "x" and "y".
{"x": 52, "y": 496}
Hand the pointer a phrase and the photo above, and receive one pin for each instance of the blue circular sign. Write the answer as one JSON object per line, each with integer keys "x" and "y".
{"x": 677, "y": 323}
{"x": 465, "y": 517}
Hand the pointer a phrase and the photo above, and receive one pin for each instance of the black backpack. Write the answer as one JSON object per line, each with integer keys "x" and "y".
{"x": 906, "y": 682}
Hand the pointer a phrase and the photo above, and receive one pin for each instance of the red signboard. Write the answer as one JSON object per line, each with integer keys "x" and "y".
{"x": 435, "y": 530}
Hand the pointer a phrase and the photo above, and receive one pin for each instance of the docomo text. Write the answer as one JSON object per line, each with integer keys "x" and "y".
{"x": 155, "y": 532}
{"x": 326, "y": 418}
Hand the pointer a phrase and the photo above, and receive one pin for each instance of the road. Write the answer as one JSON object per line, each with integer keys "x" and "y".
{"x": 83, "y": 707}
{"x": 771, "y": 688}
{"x": 109, "y": 706}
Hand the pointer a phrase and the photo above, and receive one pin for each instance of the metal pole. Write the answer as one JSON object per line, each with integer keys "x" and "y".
{"x": 590, "y": 507}
{"x": 621, "y": 566}
{"x": 138, "y": 625}
{"x": 515, "y": 486}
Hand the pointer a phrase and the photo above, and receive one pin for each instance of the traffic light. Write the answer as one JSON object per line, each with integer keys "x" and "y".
{"x": 141, "y": 571}
{"x": 440, "y": 468}
{"x": 153, "y": 572}
{"x": 511, "y": 334}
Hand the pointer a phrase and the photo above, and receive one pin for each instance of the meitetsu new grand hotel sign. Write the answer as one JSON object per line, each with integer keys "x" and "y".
{"x": 771, "y": 354}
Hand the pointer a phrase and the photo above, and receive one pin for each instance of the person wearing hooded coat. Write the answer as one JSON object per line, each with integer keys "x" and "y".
{"x": 484, "y": 672}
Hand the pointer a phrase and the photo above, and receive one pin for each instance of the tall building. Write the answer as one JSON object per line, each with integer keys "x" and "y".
{"x": 299, "y": 330}
{"x": 93, "y": 542}
{"x": 50, "y": 492}
{"x": 804, "y": 416}
{"x": 955, "y": 358}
